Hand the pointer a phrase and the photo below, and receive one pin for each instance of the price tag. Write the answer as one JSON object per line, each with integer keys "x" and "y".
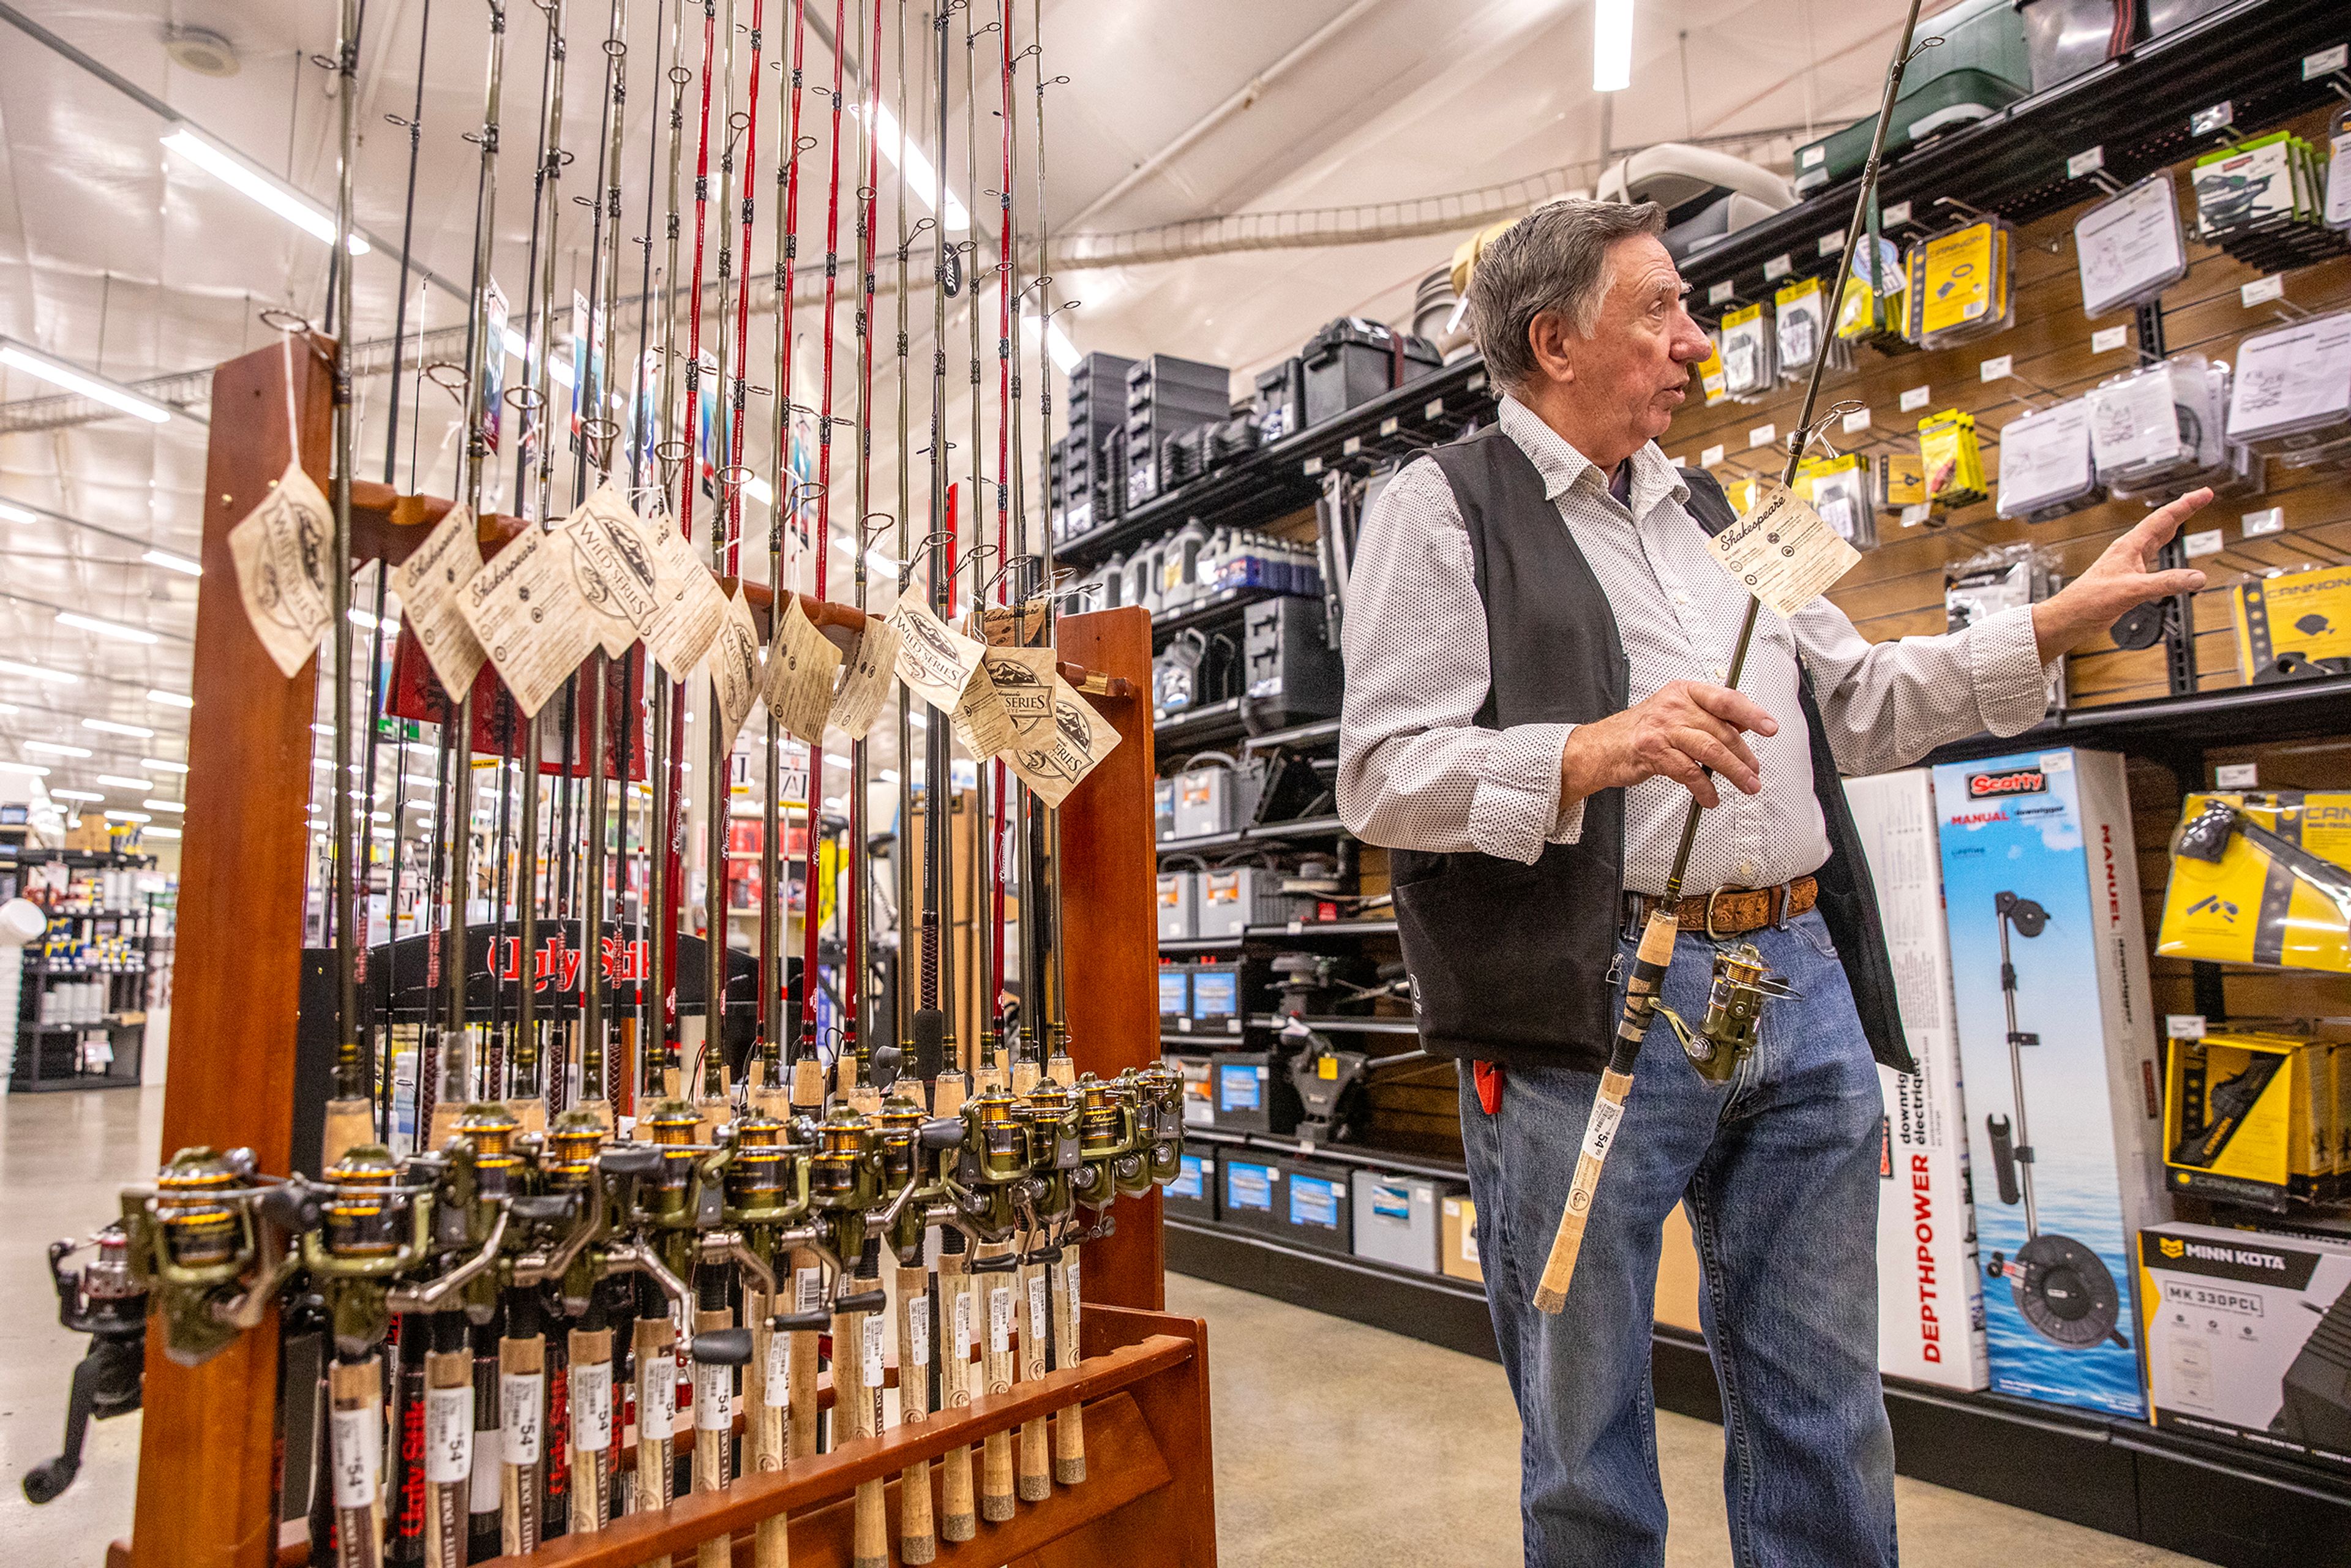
{"x": 2325, "y": 62}
{"x": 2184, "y": 1026}
{"x": 1997, "y": 368}
{"x": 918, "y": 1329}
{"x": 519, "y": 1397}
{"x": 1709, "y": 457}
{"x": 448, "y": 1435}
{"x": 2204, "y": 542}
{"x": 872, "y": 1360}
{"x": 1388, "y": 426}
{"x": 1718, "y": 293}
{"x": 2205, "y": 122}
{"x": 591, "y": 1404}
{"x": 1833, "y": 243}
{"x": 1914, "y": 399}
{"x": 1783, "y": 552}
{"x": 1899, "y": 212}
{"x": 1000, "y": 1320}
{"x": 1777, "y": 267}
{"x": 2088, "y": 163}
{"x": 358, "y": 1456}
{"x": 1350, "y": 446}
{"x": 2269, "y": 520}
{"x": 776, "y": 1388}
{"x": 2238, "y": 775}
{"x": 963, "y": 1331}
{"x": 714, "y": 1396}
{"x": 1311, "y": 466}
{"x": 1916, "y": 514}
{"x": 1432, "y": 409}
{"x": 2262, "y": 290}
{"x": 1477, "y": 381}
{"x": 1857, "y": 420}
{"x": 2107, "y": 339}
{"x": 1038, "y": 1297}
{"x": 1762, "y": 435}
{"x": 657, "y": 1400}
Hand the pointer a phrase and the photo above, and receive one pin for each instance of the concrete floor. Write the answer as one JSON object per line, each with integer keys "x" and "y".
{"x": 1410, "y": 1452}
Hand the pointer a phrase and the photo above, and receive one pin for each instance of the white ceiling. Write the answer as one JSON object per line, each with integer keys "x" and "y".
{"x": 121, "y": 259}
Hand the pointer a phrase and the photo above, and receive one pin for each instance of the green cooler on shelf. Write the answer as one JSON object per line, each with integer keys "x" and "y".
{"x": 1981, "y": 67}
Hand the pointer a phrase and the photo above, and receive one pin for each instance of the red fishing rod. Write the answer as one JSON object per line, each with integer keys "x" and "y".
{"x": 867, "y": 248}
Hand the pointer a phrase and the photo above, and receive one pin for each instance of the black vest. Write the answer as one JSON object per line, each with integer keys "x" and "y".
{"x": 1512, "y": 963}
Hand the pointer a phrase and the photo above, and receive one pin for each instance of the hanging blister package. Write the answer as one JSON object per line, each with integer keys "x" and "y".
{"x": 1959, "y": 285}
{"x": 2262, "y": 879}
{"x": 1901, "y": 483}
{"x": 1710, "y": 371}
{"x": 2159, "y": 424}
{"x": 1952, "y": 460}
{"x": 2291, "y": 618}
{"x": 2130, "y": 249}
{"x": 2250, "y": 183}
{"x": 1871, "y": 310}
{"x": 2338, "y": 170}
{"x": 1801, "y": 311}
{"x": 1838, "y": 489}
{"x": 1750, "y": 364}
{"x": 2045, "y": 468}
{"x": 1998, "y": 579}
{"x": 2292, "y": 393}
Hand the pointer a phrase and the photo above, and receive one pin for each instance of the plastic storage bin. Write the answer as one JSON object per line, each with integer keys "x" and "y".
{"x": 2064, "y": 39}
{"x": 1352, "y": 360}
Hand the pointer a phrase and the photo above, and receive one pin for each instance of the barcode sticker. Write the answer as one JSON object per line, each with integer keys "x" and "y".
{"x": 358, "y": 1456}
{"x": 520, "y": 1397}
{"x": 871, "y": 1368}
{"x": 448, "y": 1435}
{"x": 1000, "y": 1320}
{"x": 592, "y": 1406}
{"x": 776, "y": 1389}
{"x": 713, "y": 1397}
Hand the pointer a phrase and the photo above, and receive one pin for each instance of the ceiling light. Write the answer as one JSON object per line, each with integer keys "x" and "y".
{"x": 125, "y": 782}
{"x": 517, "y": 346}
{"x": 888, "y": 776}
{"x": 170, "y": 562}
{"x": 168, "y": 699}
{"x": 54, "y": 749}
{"x": 227, "y": 166}
{"x": 9, "y": 707}
{"x": 56, "y": 677}
{"x": 96, "y": 388}
{"x": 137, "y": 731}
{"x": 420, "y": 779}
{"x": 128, "y": 817}
{"x": 164, "y": 805}
{"x": 157, "y": 762}
{"x": 367, "y": 617}
{"x": 30, "y": 770}
{"x": 77, "y": 795}
{"x": 760, "y": 490}
{"x": 16, "y": 514}
{"x": 910, "y": 161}
{"x": 159, "y": 833}
{"x": 106, "y": 627}
{"x": 1612, "y": 45}
{"x": 1057, "y": 343}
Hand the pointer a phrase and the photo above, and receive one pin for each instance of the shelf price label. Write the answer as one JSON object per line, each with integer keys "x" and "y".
{"x": 2085, "y": 162}
{"x": 1718, "y": 293}
{"x": 1777, "y": 267}
{"x": 2107, "y": 340}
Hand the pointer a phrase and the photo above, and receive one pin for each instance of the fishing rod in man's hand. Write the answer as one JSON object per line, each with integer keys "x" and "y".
{"x": 1655, "y": 950}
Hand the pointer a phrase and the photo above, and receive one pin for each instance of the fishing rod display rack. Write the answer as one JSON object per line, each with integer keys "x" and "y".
{"x": 211, "y": 1444}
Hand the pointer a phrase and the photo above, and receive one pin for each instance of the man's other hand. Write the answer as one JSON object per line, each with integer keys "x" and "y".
{"x": 2123, "y": 578}
{"x": 1685, "y": 729}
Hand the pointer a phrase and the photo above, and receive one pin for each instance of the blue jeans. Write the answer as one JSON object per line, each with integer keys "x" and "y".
{"x": 1780, "y": 1170}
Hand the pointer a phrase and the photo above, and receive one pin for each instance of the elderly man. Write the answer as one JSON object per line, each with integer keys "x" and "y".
{"x": 1536, "y": 643}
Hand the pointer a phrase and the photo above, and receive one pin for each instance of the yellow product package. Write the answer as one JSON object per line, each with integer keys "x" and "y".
{"x": 1709, "y": 372}
{"x": 2262, "y": 879}
{"x": 2247, "y": 1117}
{"x": 2303, "y": 612}
{"x": 1956, "y": 284}
{"x": 1952, "y": 460}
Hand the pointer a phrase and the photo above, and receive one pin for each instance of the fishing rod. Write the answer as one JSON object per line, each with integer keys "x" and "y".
{"x": 1655, "y": 951}
{"x": 858, "y": 928}
{"x": 922, "y": 1067}
{"x": 658, "y": 1053}
{"x": 625, "y": 1078}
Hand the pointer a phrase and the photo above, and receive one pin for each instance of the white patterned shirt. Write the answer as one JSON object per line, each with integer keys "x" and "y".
{"x": 1417, "y": 772}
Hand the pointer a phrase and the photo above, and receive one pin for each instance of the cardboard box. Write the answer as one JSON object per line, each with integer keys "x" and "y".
{"x": 2248, "y": 1337}
{"x": 1930, "y": 1294}
{"x": 1317, "y": 1210}
{"x": 1199, "y": 1095}
{"x": 2249, "y": 1118}
{"x": 1679, "y": 1277}
{"x": 1457, "y": 1235}
{"x": 1253, "y": 1092}
{"x": 1396, "y": 1219}
{"x": 2057, "y": 1049}
{"x": 1193, "y": 1194}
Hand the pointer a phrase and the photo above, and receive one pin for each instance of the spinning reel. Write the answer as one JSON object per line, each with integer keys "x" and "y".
{"x": 1742, "y": 983}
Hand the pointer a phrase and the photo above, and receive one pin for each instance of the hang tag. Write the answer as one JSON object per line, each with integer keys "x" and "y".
{"x": 1782, "y": 551}
{"x": 529, "y": 615}
{"x": 520, "y": 1397}
{"x": 613, "y": 564}
{"x": 867, "y": 683}
{"x": 872, "y": 1362}
{"x": 713, "y": 1397}
{"x": 691, "y": 605}
{"x": 775, "y": 1387}
{"x": 592, "y": 1406}
{"x": 448, "y": 1435}
{"x": 733, "y": 662}
{"x": 802, "y": 664}
{"x": 1000, "y": 1320}
{"x": 429, "y": 583}
{"x": 935, "y": 660}
{"x": 1053, "y": 759}
{"x": 280, "y": 552}
{"x": 980, "y": 722}
{"x": 1023, "y": 679}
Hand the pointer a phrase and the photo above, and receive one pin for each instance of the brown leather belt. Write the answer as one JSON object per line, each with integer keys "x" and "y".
{"x": 1728, "y": 912}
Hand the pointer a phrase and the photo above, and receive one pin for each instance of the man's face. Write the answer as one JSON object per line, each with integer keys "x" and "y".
{"x": 1636, "y": 365}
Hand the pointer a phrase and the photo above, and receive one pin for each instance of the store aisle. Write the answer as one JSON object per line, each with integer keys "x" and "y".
{"x": 1338, "y": 1444}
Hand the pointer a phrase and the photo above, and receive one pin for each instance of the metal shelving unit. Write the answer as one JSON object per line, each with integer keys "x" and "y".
{"x": 50, "y": 1055}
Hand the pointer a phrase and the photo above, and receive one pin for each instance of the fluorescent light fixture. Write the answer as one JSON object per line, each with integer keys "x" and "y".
{"x": 1612, "y": 45}
{"x": 517, "y": 346}
{"x": 170, "y": 562}
{"x": 424, "y": 806}
{"x": 921, "y": 178}
{"x": 760, "y": 490}
{"x": 125, "y": 782}
{"x": 159, "y": 833}
{"x": 29, "y": 769}
{"x": 77, "y": 795}
{"x": 421, "y": 778}
{"x": 372, "y": 816}
{"x": 887, "y": 776}
{"x": 169, "y": 699}
{"x": 9, "y": 707}
{"x": 560, "y": 372}
{"x": 877, "y": 561}
{"x": 137, "y": 731}
{"x": 918, "y": 721}
{"x": 16, "y": 514}
{"x": 158, "y": 763}
{"x": 160, "y": 805}
{"x": 80, "y": 382}
{"x": 106, "y": 627}
{"x": 367, "y": 617}
{"x": 1057, "y": 343}
{"x": 53, "y": 749}
{"x": 128, "y": 817}
{"x": 56, "y": 677}
{"x": 231, "y": 170}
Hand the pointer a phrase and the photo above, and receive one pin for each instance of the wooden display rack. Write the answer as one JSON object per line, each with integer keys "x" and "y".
{"x": 208, "y": 1445}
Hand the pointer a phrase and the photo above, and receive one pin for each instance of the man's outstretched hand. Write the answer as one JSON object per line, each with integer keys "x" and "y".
{"x": 2123, "y": 578}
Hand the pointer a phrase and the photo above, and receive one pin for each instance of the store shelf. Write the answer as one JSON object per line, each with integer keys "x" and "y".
{"x": 1264, "y": 833}
{"x": 1336, "y": 1025}
{"x": 1199, "y": 727}
{"x": 1218, "y": 607}
{"x": 1313, "y": 734}
{"x": 1329, "y": 929}
{"x": 2166, "y": 728}
{"x": 1430, "y": 1307}
{"x": 1281, "y": 478}
{"x": 2013, "y": 161}
{"x": 1201, "y": 944}
{"x": 1440, "y": 1168}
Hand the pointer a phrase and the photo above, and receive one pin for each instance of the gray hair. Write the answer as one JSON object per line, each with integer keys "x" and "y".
{"x": 1553, "y": 260}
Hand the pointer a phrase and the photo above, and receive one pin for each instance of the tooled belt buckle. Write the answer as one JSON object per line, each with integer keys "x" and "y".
{"x": 1711, "y": 934}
